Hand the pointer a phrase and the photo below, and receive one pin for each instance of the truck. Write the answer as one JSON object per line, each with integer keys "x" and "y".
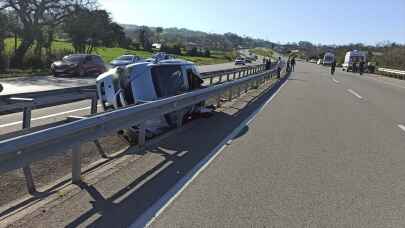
{"x": 353, "y": 57}
{"x": 328, "y": 58}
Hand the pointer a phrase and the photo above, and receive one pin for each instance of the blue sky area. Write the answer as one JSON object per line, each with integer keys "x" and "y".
{"x": 326, "y": 22}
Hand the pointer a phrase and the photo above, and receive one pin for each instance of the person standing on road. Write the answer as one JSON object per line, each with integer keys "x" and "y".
{"x": 333, "y": 67}
{"x": 279, "y": 68}
{"x": 288, "y": 65}
{"x": 361, "y": 67}
{"x": 293, "y": 64}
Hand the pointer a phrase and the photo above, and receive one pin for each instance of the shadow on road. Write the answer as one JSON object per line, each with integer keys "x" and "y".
{"x": 181, "y": 153}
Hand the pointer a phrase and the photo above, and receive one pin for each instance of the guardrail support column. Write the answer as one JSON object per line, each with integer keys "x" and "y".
{"x": 142, "y": 135}
{"x": 227, "y": 77}
{"x": 94, "y": 102}
{"x": 230, "y": 95}
{"x": 27, "y": 170}
{"x": 76, "y": 164}
{"x": 211, "y": 80}
{"x": 180, "y": 115}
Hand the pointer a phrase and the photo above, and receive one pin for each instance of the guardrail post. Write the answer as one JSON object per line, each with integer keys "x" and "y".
{"x": 94, "y": 102}
{"x": 234, "y": 76}
{"x": 27, "y": 170}
{"x": 142, "y": 135}
{"x": 179, "y": 120}
{"x": 211, "y": 80}
{"x": 220, "y": 78}
{"x": 76, "y": 164}
{"x": 227, "y": 77}
{"x": 230, "y": 95}
{"x": 219, "y": 101}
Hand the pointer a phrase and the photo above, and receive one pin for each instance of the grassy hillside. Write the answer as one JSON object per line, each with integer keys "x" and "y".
{"x": 109, "y": 54}
{"x": 263, "y": 52}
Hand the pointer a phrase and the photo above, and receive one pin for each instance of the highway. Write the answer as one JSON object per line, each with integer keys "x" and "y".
{"x": 327, "y": 152}
{"x": 9, "y": 123}
{"x": 322, "y": 151}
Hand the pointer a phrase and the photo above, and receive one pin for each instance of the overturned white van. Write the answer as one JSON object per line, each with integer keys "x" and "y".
{"x": 146, "y": 82}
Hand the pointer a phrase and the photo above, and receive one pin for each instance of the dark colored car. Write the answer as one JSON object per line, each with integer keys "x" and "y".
{"x": 79, "y": 65}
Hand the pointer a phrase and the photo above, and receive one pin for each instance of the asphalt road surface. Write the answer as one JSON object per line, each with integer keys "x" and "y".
{"x": 10, "y": 123}
{"x": 327, "y": 152}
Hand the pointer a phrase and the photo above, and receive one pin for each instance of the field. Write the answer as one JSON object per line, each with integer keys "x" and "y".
{"x": 109, "y": 54}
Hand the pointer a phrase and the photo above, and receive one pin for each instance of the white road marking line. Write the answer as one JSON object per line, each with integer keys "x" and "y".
{"x": 45, "y": 117}
{"x": 401, "y": 126}
{"x": 336, "y": 81}
{"x": 150, "y": 215}
{"x": 355, "y": 94}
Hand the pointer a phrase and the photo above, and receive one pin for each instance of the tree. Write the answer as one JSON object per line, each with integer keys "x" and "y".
{"x": 3, "y": 30}
{"x": 35, "y": 14}
{"x": 159, "y": 30}
{"x": 144, "y": 37}
{"x": 89, "y": 29}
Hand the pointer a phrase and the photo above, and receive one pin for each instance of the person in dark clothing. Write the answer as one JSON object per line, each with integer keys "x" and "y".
{"x": 293, "y": 64}
{"x": 288, "y": 65}
{"x": 354, "y": 68}
{"x": 361, "y": 67}
{"x": 279, "y": 67}
{"x": 268, "y": 65}
{"x": 333, "y": 67}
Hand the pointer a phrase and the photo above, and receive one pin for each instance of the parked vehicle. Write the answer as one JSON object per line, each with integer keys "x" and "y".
{"x": 328, "y": 58}
{"x": 240, "y": 61}
{"x": 353, "y": 57}
{"x": 78, "y": 65}
{"x": 125, "y": 60}
{"x": 159, "y": 57}
{"x": 249, "y": 59}
{"x": 146, "y": 82}
{"x": 313, "y": 61}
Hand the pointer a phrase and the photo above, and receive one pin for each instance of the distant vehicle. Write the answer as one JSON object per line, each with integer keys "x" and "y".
{"x": 240, "y": 61}
{"x": 312, "y": 61}
{"x": 248, "y": 60}
{"x": 319, "y": 62}
{"x": 125, "y": 60}
{"x": 78, "y": 65}
{"x": 145, "y": 82}
{"x": 159, "y": 57}
{"x": 328, "y": 59}
{"x": 353, "y": 57}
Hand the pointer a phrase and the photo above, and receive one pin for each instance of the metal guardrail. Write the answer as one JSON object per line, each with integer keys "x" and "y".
{"x": 392, "y": 73}
{"x": 20, "y": 151}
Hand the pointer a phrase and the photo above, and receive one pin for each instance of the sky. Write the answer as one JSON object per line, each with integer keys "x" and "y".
{"x": 320, "y": 22}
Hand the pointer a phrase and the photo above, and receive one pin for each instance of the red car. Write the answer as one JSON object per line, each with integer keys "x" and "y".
{"x": 79, "y": 65}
